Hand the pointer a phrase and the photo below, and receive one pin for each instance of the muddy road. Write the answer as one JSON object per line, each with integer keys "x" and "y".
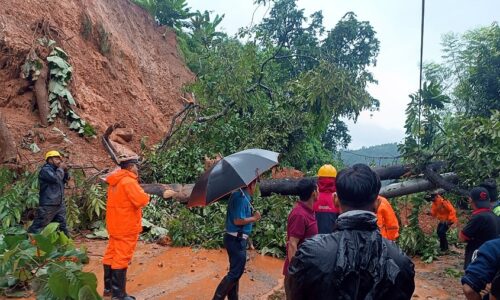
{"x": 159, "y": 272}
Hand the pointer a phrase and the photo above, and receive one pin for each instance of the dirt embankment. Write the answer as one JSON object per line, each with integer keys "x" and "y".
{"x": 138, "y": 80}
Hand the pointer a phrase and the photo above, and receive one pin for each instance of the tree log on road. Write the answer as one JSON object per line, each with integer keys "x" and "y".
{"x": 181, "y": 192}
{"x": 414, "y": 186}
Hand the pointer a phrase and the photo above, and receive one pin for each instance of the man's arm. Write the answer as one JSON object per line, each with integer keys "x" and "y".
{"x": 482, "y": 269}
{"x": 245, "y": 221}
{"x": 48, "y": 175}
{"x": 469, "y": 293}
{"x": 462, "y": 237}
{"x": 470, "y": 230}
{"x": 292, "y": 247}
{"x": 137, "y": 195}
{"x": 392, "y": 225}
{"x": 433, "y": 209}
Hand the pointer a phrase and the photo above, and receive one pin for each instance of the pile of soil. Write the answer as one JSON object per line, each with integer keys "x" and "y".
{"x": 138, "y": 80}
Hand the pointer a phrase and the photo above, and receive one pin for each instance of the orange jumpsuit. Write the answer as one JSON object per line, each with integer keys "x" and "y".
{"x": 386, "y": 220}
{"x": 443, "y": 210}
{"x": 124, "y": 206}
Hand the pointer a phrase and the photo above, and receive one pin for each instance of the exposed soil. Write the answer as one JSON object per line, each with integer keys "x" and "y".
{"x": 159, "y": 272}
{"x": 139, "y": 81}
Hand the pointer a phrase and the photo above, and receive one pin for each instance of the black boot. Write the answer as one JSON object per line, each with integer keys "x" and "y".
{"x": 118, "y": 283}
{"x": 223, "y": 289}
{"x": 233, "y": 293}
{"x": 107, "y": 281}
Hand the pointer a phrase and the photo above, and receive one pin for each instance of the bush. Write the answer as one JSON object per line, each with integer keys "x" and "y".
{"x": 205, "y": 226}
{"x": 18, "y": 192}
{"x": 47, "y": 262}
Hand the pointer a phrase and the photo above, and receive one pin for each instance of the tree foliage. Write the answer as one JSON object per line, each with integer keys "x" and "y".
{"x": 458, "y": 118}
{"x": 284, "y": 89}
{"x": 173, "y": 13}
{"x": 471, "y": 70}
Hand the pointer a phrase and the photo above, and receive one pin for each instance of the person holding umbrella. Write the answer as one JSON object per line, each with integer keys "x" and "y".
{"x": 236, "y": 174}
{"x": 239, "y": 220}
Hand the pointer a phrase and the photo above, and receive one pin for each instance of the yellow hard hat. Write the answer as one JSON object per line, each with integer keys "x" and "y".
{"x": 52, "y": 153}
{"x": 327, "y": 171}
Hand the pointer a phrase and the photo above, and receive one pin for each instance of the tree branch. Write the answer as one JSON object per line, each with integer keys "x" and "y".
{"x": 217, "y": 115}
{"x": 107, "y": 144}
{"x": 171, "y": 131}
{"x": 430, "y": 173}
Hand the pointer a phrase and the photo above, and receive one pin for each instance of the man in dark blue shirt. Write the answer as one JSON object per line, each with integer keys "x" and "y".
{"x": 482, "y": 270}
{"x": 239, "y": 220}
{"x": 52, "y": 178}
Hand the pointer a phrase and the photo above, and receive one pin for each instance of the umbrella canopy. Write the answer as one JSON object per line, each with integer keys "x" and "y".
{"x": 231, "y": 173}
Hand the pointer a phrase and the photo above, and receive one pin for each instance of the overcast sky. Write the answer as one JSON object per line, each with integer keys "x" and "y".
{"x": 397, "y": 24}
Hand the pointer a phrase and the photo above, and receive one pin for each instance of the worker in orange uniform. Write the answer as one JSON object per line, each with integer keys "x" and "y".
{"x": 386, "y": 219}
{"x": 126, "y": 199}
{"x": 443, "y": 210}
{"x": 326, "y": 211}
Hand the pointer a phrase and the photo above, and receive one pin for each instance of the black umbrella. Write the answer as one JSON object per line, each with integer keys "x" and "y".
{"x": 231, "y": 173}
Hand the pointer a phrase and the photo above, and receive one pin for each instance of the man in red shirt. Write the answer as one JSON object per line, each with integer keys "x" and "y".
{"x": 301, "y": 221}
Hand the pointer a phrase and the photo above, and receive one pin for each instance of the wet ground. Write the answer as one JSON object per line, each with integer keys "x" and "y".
{"x": 159, "y": 272}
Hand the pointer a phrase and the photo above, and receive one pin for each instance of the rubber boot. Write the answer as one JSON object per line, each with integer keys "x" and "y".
{"x": 223, "y": 288}
{"x": 107, "y": 281}
{"x": 233, "y": 293}
{"x": 118, "y": 284}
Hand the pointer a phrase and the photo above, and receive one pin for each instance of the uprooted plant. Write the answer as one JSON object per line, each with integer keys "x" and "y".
{"x": 57, "y": 71}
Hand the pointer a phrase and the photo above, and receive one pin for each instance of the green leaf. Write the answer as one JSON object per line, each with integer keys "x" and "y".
{"x": 44, "y": 243}
{"x": 60, "y": 52}
{"x": 59, "y": 284}
{"x": 52, "y": 227}
{"x": 58, "y": 61}
{"x": 88, "y": 279}
{"x": 34, "y": 148}
{"x": 57, "y": 88}
{"x": 86, "y": 293}
{"x": 13, "y": 240}
{"x": 70, "y": 98}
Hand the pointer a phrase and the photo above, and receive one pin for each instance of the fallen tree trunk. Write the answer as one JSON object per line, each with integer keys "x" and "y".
{"x": 42, "y": 95}
{"x": 7, "y": 144}
{"x": 414, "y": 186}
{"x": 393, "y": 172}
{"x": 288, "y": 187}
{"x": 278, "y": 186}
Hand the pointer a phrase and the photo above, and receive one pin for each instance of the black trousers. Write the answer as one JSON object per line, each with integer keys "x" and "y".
{"x": 48, "y": 214}
{"x": 442, "y": 229}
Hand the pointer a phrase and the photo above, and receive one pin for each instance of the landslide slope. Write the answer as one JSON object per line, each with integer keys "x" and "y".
{"x": 138, "y": 81}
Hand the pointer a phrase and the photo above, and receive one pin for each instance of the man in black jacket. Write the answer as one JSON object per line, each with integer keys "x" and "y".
{"x": 354, "y": 262}
{"x": 52, "y": 178}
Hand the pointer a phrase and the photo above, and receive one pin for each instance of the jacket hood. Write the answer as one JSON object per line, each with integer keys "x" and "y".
{"x": 118, "y": 175}
{"x": 326, "y": 184}
{"x": 357, "y": 220}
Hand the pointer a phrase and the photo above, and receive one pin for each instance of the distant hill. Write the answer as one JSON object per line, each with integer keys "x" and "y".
{"x": 379, "y": 155}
